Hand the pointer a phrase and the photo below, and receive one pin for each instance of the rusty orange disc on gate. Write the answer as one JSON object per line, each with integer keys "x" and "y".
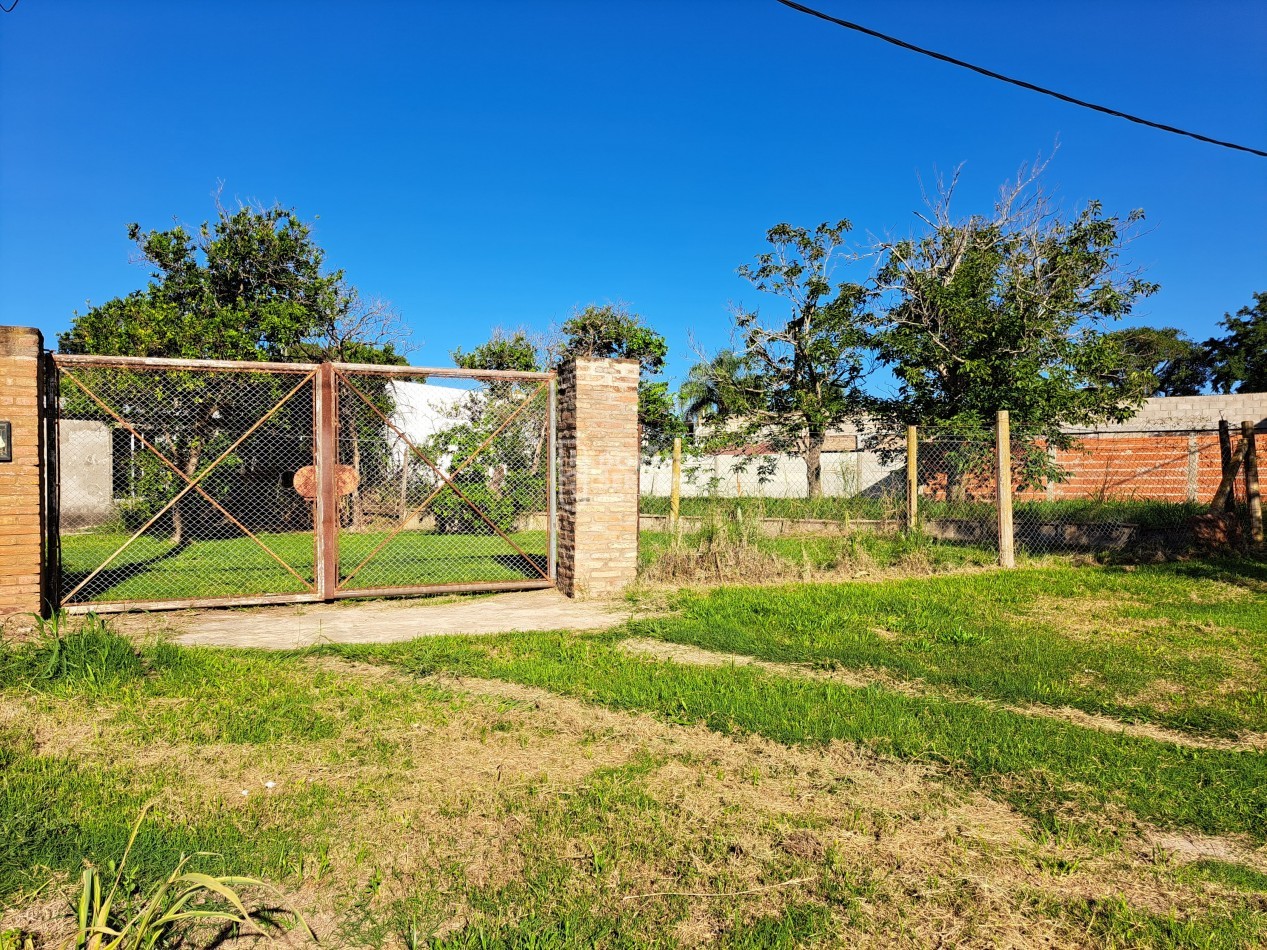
{"x": 345, "y": 481}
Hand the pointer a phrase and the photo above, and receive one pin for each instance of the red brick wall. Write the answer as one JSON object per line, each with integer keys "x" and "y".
{"x": 1162, "y": 466}
{"x": 21, "y": 525}
{"x": 1158, "y": 467}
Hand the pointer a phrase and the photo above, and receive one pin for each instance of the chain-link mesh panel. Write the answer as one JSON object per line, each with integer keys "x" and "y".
{"x": 956, "y": 484}
{"x": 1117, "y": 490}
{"x": 179, "y": 483}
{"x": 860, "y": 480}
{"x": 446, "y": 481}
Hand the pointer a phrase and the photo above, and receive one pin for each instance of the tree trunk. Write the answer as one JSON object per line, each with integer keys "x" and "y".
{"x": 358, "y": 507}
{"x": 178, "y": 518}
{"x": 956, "y": 484}
{"x": 814, "y": 465}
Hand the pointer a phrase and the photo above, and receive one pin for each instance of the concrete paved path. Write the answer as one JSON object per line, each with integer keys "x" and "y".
{"x": 389, "y": 621}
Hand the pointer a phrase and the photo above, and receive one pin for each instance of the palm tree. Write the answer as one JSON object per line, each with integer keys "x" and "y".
{"x": 709, "y": 390}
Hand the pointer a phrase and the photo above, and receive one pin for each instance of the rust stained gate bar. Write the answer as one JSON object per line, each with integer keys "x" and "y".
{"x": 326, "y": 522}
{"x": 231, "y": 468}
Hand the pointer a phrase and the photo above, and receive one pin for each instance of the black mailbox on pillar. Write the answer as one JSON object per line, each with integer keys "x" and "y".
{"x": 6, "y": 441}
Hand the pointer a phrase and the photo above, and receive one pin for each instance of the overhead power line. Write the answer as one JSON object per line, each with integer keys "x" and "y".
{"x": 1017, "y": 82}
{"x": 11, "y": 7}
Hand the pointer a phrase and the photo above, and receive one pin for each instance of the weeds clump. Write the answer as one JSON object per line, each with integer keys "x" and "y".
{"x": 725, "y": 547}
{"x": 88, "y": 657}
{"x": 126, "y": 917}
{"x": 730, "y": 546}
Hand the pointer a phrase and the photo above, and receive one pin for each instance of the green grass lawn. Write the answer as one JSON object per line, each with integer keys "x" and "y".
{"x": 151, "y": 569}
{"x": 1181, "y": 644}
{"x": 558, "y": 790}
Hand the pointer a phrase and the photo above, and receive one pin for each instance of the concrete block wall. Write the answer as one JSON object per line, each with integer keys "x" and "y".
{"x": 21, "y": 492}
{"x": 599, "y": 451}
{"x": 1173, "y": 413}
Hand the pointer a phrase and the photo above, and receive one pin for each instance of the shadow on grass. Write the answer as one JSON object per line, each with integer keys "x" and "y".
{"x": 535, "y": 566}
{"x": 1248, "y": 571}
{"x": 105, "y": 580}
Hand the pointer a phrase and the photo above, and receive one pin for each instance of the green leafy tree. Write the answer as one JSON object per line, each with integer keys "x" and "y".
{"x": 799, "y": 375}
{"x": 503, "y": 351}
{"x": 249, "y": 285}
{"x": 1161, "y": 361}
{"x": 612, "y": 331}
{"x": 508, "y": 478}
{"x": 1239, "y": 359}
{"x": 1007, "y": 312}
{"x": 706, "y": 393}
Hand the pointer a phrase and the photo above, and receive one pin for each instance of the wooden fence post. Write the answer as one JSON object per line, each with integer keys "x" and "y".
{"x": 912, "y": 478}
{"x": 675, "y": 487}
{"x": 1225, "y": 456}
{"x": 1252, "y": 493}
{"x": 1003, "y": 488}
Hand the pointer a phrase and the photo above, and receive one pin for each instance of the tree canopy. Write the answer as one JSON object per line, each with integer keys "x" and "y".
{"x": 249, "y": 285}
{"x": 970, "y": 315}
{"x": 1161, "y": 361}
{"x": 1008, "y": 311}
{"x": 794, "y": 376}
{"x": 502, "y": 351}
{"x": 608, "y": 331}
{"x": 1238, "y": 361}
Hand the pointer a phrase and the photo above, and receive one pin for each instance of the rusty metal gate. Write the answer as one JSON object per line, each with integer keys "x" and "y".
{"x": 185, "y": 483}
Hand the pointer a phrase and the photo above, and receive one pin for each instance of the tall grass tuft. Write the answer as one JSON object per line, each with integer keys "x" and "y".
{"x": 88, "y": 657}
{"x": 723, "y": 548}
{"x": 107, "y": 921}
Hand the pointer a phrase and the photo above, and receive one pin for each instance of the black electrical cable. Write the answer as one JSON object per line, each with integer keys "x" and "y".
{"x": 1017, "y": 82}
{"x": 11, "y": 7}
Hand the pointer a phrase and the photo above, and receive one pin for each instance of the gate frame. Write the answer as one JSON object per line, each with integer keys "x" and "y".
{"x": 337, "y": 370}
{"x": 325, "y": 378}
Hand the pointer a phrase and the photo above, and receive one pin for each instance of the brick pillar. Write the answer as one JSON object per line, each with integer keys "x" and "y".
{"x": 598, "y": 476}
{"x": 21, "y": 495}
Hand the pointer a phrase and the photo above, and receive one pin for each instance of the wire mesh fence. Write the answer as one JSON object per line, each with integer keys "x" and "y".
{"x": 860, "y": 479}
{"x": 1121, "y": 489}
{"x": 204, "y": 483}
{"x": 1099, "y": 491}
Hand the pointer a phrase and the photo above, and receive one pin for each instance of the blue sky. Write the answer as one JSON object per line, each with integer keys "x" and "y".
{"x": 499, "y": 163}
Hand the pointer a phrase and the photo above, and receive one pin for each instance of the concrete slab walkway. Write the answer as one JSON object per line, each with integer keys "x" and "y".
{"x": 389, "y": 621}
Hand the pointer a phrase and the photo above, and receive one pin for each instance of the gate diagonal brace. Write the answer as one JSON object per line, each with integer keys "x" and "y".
{"x": 192, "y": 484}
{"x": 447, "y": 480}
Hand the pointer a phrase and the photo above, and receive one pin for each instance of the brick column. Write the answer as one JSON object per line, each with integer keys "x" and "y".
{"x": 598, "y": 476}
{"x": 21, "y": 495}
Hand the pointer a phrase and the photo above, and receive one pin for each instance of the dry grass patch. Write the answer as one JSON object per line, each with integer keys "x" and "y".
{"x": 453, "y": 805}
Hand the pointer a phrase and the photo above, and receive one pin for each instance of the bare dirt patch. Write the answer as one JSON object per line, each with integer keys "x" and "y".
{"x": 1096, "y": 619}
{"x": 1194, "y": 847}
